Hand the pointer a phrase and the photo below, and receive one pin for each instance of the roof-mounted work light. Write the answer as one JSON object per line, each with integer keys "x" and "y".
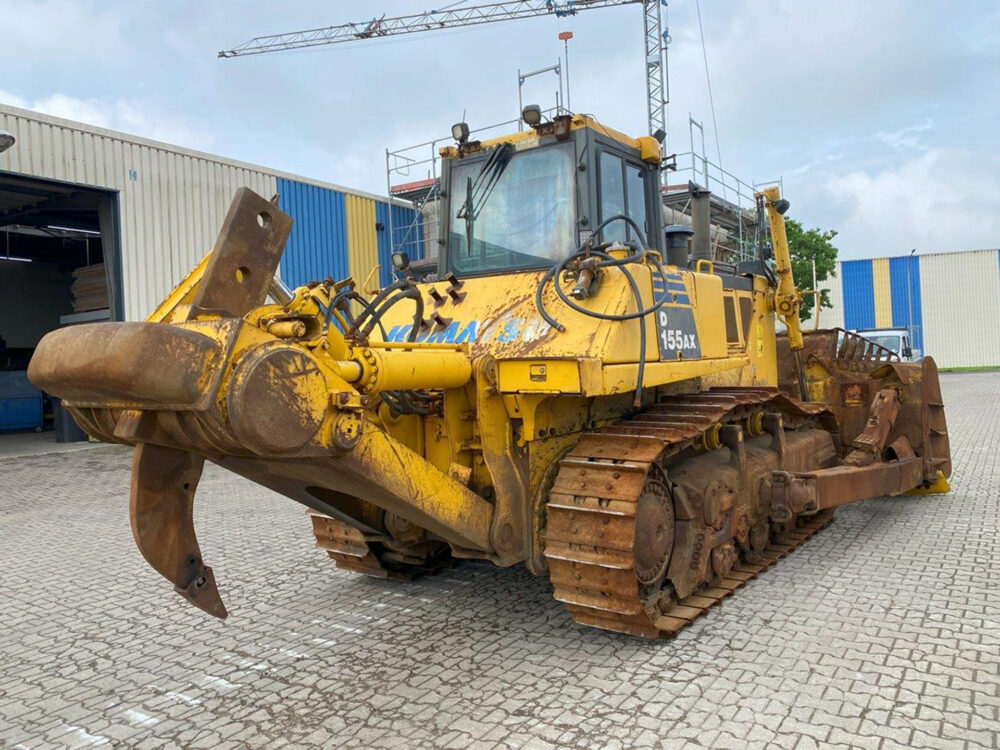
{"x": 400, "y": 261}
{"x": 532, "y": 115}
{"x": 460, "y": 132}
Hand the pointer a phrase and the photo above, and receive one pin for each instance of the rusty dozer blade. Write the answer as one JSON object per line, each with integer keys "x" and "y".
{"x": 164, "y": 481}
{"x": 892, "y": 424}
{"x": 845, "y": 372}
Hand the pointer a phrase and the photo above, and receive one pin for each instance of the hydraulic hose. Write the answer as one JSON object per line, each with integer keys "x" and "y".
{"x": 418, "y": 314}
{"x": 369, "y": 308}
{"x": 585, "y": 250}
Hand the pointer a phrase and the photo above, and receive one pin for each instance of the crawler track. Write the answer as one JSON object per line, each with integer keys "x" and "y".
{"x": 591, "y": 529}
{"x": 349, "y": 549}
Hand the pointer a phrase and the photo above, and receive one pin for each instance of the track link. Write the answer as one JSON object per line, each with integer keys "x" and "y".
{"x": 591, "y": 514}
{"x": 350, "y": 550}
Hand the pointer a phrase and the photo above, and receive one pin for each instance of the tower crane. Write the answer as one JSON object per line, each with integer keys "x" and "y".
{"x": 655, "y": 35}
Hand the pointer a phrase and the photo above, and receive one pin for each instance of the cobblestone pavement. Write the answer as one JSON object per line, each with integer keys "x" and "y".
{"x": 883, "y": 631}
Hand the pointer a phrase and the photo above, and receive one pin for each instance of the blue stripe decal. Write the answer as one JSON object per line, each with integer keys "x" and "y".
{"x": 677, "y": 299}
{"x": 671, "y": 287}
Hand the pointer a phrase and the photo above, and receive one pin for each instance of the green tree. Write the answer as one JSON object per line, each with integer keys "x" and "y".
{"x": 806, "y": 246}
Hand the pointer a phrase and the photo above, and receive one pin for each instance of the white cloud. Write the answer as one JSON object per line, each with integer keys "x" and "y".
{"x": 823, "y": 94}
{"x": 810, "y": 165}
{"x": 908, "y": 137}
{"x": 940, "y": 200}
{"x": 129, "y": 116}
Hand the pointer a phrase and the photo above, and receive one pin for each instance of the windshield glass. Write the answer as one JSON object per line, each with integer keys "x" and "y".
{"x": 521, "y": 213}
{"x": 891, "y": 341}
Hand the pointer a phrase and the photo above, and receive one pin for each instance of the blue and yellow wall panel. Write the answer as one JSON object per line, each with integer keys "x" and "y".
{"x": 859, "y": 294}
{"x": 407, "y": 230}
{"x": 907, "y": 312}
{"x": 881, "y": 293}
{"x": 317, "y": 246}
{"x": 340, "y": 234}
{"x": 362, "y": 242}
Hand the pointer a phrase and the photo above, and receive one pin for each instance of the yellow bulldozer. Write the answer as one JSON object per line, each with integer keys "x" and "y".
{"x": 570, "y": 386}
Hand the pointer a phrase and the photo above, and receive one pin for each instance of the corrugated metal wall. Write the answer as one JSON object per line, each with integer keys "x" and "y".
{"x": 960, "y": 298}
{"x": 832, "y": 317}
{"x": 858, "y": 291}
{"x": 362, "y": 242}
{"x": 340, "y": 235}
{"x": 172, "y": 201}
{"x": 875, "y": 295}
{"x": 407, "y": 230}
{"x": 907, "y": 310}
{"x": 317, "y": 247}
{"x": 949, "y": 301}
{"x": 881, "y": 293}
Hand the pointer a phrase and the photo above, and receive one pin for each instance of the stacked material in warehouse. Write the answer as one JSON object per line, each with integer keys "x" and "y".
{"x": 90, "y": 288}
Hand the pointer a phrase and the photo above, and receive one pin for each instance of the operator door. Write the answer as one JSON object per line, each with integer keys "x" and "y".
{"x": 622, "y": 191}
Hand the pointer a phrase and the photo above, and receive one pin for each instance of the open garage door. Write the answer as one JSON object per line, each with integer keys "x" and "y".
{"x": 60, "y": 264}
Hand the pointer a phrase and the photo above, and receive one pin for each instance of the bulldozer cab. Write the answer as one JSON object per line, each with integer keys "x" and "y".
{"x": 525, "y": 201}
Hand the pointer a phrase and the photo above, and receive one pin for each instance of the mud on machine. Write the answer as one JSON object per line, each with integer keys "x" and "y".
{"x": 563, "y": 388}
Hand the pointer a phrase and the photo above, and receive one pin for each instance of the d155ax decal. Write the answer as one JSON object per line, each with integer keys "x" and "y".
{"x": 677, "y": 333}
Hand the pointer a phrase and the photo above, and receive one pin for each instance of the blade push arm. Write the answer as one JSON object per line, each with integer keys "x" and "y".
{"x": 787, "y": 299}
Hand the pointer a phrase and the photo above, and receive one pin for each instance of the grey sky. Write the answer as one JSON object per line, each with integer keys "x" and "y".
{"x": 882, "y": 117}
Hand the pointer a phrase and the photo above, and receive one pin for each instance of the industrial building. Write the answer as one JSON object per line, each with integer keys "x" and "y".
{"x": 950, "y": 302}
{"x": 100, "y": 225}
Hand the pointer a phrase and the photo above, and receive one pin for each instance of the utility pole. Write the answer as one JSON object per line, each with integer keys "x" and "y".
{"x": 817, "y": 298}
{"x": 909, "y": 301}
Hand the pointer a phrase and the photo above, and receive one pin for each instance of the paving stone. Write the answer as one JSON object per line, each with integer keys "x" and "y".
{"x": 880, "y": 632}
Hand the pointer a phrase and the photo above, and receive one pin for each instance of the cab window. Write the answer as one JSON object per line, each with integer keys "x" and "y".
{"x": 623, "y": 191}
{"x": 513, "y": 214}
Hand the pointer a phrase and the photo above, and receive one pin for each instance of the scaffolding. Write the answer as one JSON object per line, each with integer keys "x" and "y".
{"x": 738, "y": 229}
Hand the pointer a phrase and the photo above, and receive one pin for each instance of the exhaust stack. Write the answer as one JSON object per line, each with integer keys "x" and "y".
{"x": 701, "y": 221}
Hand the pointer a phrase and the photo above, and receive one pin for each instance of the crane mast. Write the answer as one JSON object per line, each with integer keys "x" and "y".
{"x": 654, "y": 36}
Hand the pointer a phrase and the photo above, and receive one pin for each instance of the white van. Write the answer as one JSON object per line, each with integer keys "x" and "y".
{"x": 896, "y": 339}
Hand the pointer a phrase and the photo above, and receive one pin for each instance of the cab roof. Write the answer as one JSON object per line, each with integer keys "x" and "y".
{"x": 577, "y": 122}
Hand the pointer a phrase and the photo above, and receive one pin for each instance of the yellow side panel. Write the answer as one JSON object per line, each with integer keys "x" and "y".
{"x": 709, "y": 316}
{"x": 362, "y": 242}
{"x": 883, "y": 293}
{"x": 539, "y": 376}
